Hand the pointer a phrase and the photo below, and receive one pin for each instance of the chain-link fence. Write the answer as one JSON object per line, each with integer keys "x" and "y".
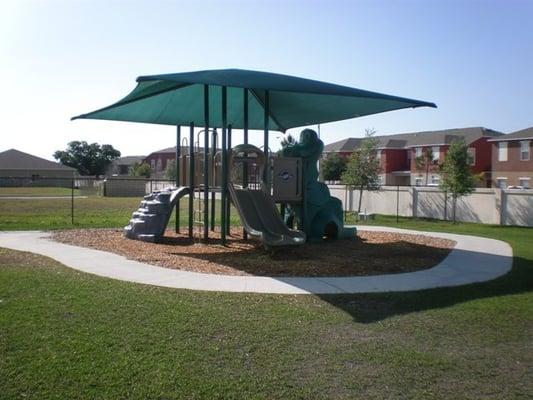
{"x": 53, "y": 203}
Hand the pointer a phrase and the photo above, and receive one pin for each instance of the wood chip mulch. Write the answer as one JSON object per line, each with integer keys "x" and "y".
{"x": 371, "y": 253}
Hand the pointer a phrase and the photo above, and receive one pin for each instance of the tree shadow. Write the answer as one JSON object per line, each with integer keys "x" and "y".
{"x": 372, "y": 307}
{"x": 349, "y": 257}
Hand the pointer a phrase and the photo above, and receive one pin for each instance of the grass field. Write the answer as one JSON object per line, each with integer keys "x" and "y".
{"x": 36, "y": 191}
{"x": 66, "y": 334}
{"x": 90, "y": 212}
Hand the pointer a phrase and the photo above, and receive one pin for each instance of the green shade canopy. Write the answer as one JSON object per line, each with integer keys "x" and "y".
{"x": 178, "y": 99}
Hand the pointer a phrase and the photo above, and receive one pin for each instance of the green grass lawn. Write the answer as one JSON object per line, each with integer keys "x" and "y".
{"x": 90, "y": 212}
{"x": 36, "y": 191}
{"x": 66, "y": 334}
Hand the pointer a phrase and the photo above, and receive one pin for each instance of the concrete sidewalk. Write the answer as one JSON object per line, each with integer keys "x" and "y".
{"x": 473, "y": 259}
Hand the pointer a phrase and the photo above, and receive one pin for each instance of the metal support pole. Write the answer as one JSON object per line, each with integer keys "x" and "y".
{"x": 228, "y": 200}
{"x": 266, "y": 178}
{"x": 245, "y": 167}
{"x": 191, "y": 179}
{"x": 224, "y": 183}
{"x": 214, "y": 141}
{"x": 72, "y": 202}
{"x": 206, "y": 162}
{"x": 178, "y": 154}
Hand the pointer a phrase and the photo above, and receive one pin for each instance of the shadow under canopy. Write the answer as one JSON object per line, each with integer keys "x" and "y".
{"x": 178, "y": 99}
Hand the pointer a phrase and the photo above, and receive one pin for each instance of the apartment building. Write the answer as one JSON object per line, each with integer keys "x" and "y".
{"x": 512, "y": 163}
{"x": 398, "y": 154}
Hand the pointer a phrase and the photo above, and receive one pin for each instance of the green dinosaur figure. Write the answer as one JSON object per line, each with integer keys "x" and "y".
{"x": 321, "y": 214}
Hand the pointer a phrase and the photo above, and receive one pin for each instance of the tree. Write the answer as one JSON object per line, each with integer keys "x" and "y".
{"x": 170, "y": 171}
{"x": 332, "y": 167}
{"x": 425, "y": 161}
{"x": 140, "y": 169}
{"x": 457, "y": 178}
{"x": 88, "y": 159}
{"x": 363, "y": 167}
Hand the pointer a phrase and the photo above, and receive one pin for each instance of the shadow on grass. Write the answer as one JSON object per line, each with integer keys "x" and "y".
{"x": 372, "y": 307}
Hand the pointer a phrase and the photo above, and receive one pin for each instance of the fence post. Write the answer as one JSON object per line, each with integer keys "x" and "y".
{"x": 398, "y": 204}
{"x": 445, "y": 205}
{"x": 414, "y": 201}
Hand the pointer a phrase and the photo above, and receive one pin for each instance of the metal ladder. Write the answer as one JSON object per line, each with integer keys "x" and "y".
{"x": 198, "y": 214}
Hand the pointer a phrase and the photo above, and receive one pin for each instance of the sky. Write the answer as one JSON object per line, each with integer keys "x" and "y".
{"x": 58, "y": 59}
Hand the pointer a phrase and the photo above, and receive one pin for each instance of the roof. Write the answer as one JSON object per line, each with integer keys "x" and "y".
{"x": 172, "y": 150}
{"x": 128, "y": 160}
{"x": 178, "y": 99}
{"x": 15, "y": 159}
{"x": 518, "y": 135}
{"x": 415, "y": 139}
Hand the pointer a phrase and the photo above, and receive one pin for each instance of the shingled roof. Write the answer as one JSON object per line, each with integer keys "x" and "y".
{"x": 415, "y": 139}
{"x": 518, "y": 135}
{"x": 15, "y": 159}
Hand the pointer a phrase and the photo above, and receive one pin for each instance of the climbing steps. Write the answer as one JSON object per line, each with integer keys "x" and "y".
{"x": 149, "y": 222}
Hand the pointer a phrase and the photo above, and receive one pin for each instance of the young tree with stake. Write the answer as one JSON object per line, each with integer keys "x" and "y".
{"x": 363, "y": 167}
{"x": 457, "y": 178}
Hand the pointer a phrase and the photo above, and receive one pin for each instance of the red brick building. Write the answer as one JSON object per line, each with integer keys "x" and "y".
{"x": 158, "y": 160}
{"x": 398, "y": 154}
{"x": 512, "y": 161}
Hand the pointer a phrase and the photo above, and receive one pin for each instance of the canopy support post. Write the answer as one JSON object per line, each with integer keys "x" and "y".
{"x": 245, "y": 167}
{"x": 178, "y": 154}
{"x": 214, "y": 141}
{"x": 266, "y": 177}
{"x": 191, "y": 180}
{"x": 224, "y": 182}
{"x": 206, "y": 163}
{"x": 228, "y": 200}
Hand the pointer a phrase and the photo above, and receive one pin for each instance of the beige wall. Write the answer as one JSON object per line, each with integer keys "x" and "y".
{"x": 121, "y": 187}
{"x": 489, "y": 206}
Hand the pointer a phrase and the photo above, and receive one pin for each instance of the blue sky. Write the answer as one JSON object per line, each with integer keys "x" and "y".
{"x": 62, "y": 58}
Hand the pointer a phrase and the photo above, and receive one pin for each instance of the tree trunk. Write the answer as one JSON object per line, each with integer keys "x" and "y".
{"x": 427, "y": 172}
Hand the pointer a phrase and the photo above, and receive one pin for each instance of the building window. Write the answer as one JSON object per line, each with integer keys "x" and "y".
{"x": 418, "y": 152}
{"x": 502, "y": 182}
{"x": 435, "y": 180}
{"x": 418, "y": 181}
{"x": 435, "y": 152}
{"x": 159, "y": 165}
{"x": 524, "y": 182}
{"x": 471, "y": 154}
{"x": 502, "y": 151}
{"x": 152, "y": 164}
{"x": 524, "y": 150}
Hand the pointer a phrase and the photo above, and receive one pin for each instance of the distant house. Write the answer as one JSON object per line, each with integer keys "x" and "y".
{"x": 15, "y": 164}
{"x": 158, "y": 160}
{"x": 121, "y": 166}
{"x": 398, "y": 153}
{"x": 512, "y": 162}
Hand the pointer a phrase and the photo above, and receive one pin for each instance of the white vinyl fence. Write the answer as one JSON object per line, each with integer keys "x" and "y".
{"x": 488, "y": 206}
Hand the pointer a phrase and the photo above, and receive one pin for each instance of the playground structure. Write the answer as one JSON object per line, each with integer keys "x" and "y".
{"x": 257, "y": 210}
{"x": 240, "y": 99}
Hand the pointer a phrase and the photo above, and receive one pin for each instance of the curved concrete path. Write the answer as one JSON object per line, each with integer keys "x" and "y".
{"x": 473, "y": 259}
